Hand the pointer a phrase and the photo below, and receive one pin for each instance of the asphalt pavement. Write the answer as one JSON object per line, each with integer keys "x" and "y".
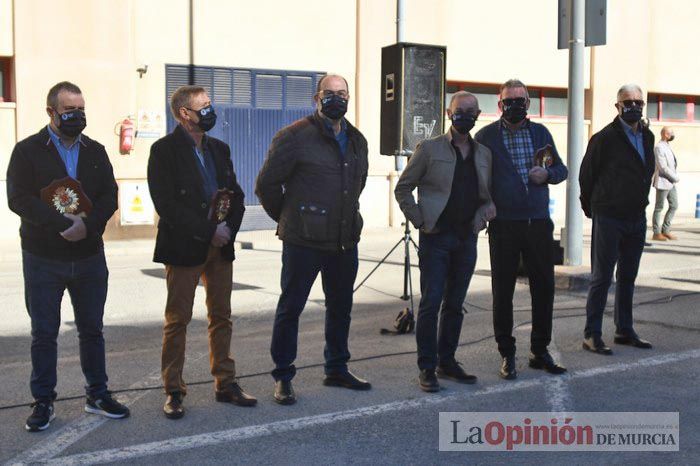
{"x": 394, "y": 423}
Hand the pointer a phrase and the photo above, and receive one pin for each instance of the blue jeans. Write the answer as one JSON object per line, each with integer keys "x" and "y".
{"x": 614, "y": 242}
{"x": 45, "y": 280}
{"x": 446, "y": 267}
{"x": 300, "y": 267}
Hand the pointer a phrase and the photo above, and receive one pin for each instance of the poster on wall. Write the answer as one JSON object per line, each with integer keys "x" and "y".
{"x": 135, "y": 205}
{"x": 151, "y": 124}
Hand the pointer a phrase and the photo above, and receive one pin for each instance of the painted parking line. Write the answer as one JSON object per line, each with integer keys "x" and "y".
{"x": 261, "y": 430}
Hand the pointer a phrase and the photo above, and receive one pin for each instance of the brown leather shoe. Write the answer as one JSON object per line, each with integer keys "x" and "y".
{"x": 659, "y": 237}
{"x": 173, "y": 408}
{"x": 670, "y": 236}
{"x": 233, "y": 393}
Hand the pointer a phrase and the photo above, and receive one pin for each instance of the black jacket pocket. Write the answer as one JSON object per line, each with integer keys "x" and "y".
{"x": 314, "y": 222}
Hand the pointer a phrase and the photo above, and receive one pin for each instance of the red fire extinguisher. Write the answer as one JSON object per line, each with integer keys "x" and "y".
{"x": 126, "y": 136}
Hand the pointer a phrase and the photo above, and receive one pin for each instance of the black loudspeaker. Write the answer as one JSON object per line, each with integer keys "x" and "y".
{"x": 413, "y": 96}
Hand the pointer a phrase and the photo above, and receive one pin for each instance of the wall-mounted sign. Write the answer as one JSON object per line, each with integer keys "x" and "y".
{"x": 135, "y": 205}
{"x": 150, "y": 124}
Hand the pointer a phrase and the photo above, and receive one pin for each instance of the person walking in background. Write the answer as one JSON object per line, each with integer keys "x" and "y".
{"x": 664, "y": 181}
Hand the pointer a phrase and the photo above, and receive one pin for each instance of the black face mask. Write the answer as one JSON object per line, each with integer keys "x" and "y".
{"x": 515, "y": 110}
{"x": 463, "y": 122}
{"x": 632, "y": 114}
{"x": 671, "y": 138}
{"x": 207, "y": 118}
{"x": 334, "y": 106}
{"x": 72, "y": 122}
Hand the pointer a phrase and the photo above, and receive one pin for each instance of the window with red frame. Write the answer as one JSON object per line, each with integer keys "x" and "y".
{"x": 5, "y": 79}
{"x": 663, "y": 107}
{"x": 549, "y": 103}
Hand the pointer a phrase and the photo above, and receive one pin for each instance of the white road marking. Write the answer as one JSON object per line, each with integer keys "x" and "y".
{"x": 242, "y": 433}
{"x": 66, "y": 436}
{"x": 556, "y": 388}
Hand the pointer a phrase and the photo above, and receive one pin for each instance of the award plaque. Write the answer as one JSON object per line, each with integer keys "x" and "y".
{"x": 67, "y": 197}
{"x": 221, "y": 205}
{"x": 544, "y": 157}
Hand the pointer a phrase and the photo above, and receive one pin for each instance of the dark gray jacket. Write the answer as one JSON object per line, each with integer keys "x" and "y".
{"x": 312, "y": 190}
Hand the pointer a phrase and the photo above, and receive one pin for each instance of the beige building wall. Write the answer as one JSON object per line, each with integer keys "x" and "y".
{"x": 102, "y": 43}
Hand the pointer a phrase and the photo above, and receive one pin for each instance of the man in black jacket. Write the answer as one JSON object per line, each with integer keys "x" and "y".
{"x": 186, "y": 171}
{"x": 615, "y": 179}
{"x": 63, "y": 251}
{"x": 310, "y": 184}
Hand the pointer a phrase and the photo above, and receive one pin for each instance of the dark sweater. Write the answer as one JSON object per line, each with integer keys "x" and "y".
{"x": 514, "y": 200}
{"x": 614, "y": 180}
{"x": 35, "y": 163}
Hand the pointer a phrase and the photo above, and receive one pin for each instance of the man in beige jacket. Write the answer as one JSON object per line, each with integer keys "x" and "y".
{"x": 453, "y": 175}
{"x": 664, "y": 181}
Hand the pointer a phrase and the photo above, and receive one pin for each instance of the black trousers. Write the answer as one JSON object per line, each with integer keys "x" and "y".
{"x": 507, "y": 241}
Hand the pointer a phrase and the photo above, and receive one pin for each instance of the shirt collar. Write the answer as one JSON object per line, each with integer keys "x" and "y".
{"x": 628, "y": 128}
{"x": 505, "y": 126}
{"x": 329, "y": 126}
{"x": 57, "y": 139}
{"x": 190, "y": 140}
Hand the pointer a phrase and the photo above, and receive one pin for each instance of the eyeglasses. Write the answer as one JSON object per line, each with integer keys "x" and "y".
{"x": 514, "y": 101}
{"x": 328, "y": 93}
{"x": 630, "y": 102}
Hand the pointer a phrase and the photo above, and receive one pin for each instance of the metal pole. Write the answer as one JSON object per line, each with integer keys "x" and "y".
{"x": 400, "y": 161}
{"x": 574, "y": 147}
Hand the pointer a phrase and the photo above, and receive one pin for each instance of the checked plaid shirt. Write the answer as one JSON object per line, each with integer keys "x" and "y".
{"x": 519, "y": 146}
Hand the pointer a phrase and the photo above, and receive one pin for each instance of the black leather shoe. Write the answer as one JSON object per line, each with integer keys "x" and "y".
{"x": 346, "y": 380}
{"x": 632, "y": 340}
{"x": 546, "y": 361}
{"x": 508, "y": 371}
{"x": 595, "y": 344}
{"x": 284, "y": 393}
{"x": 455, "y": 372}
{"x": 427, "y": 381}
{"x": 173, "y": 408}
{"x": 233, "y": 393}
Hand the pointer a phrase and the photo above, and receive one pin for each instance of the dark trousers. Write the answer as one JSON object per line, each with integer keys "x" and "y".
{"x": 507, "y": 241}
{"x": 446, "y": 267}
{"x": 614, "y": 242}
{"x": 45, "y": 280}
{"x": 300, "y": 267}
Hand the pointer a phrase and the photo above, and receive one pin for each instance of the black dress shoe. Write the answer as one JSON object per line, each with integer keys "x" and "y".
{"x": 233, "y": 393}
{"x": 508, "y": 371}
{"x": 284, "y": 393}
{"x": 546, "y": 361}
{"x": 346, "y": 380}
{"x": 173, "y": 408}
{"x": 595, "y": 344}
{"x": 455, "y": 372}
{"x": 427, "y": 381}
{"x": 632, "y": 340}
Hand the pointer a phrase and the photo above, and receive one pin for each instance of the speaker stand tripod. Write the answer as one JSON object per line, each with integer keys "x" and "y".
{"x": 407, "y": 241}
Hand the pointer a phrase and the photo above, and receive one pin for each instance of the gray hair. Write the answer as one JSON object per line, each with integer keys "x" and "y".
{"x": 182, "y": 98}
{"x": 628, "y": 88}
{"x": 514, "y": 83}
{"x": 460, "y": 94}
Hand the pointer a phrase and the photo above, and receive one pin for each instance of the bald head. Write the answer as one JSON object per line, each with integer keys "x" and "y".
{"x": 667, "y": 134}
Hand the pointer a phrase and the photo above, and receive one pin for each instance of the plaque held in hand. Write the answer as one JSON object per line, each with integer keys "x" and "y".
{"x": 221, "y": 205}
{"x": 67, "y": 197}
{"x": 544, "y": 157}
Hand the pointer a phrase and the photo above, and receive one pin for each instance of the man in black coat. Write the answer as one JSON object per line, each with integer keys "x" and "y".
{"x": 310, "y": 184}
{"x": 187, "y": 171}
{"x": 615, "y": 179}
{"x": 61, "y": 250}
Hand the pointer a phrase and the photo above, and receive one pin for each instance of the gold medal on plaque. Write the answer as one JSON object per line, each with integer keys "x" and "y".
{"x": 67, "y": 197}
